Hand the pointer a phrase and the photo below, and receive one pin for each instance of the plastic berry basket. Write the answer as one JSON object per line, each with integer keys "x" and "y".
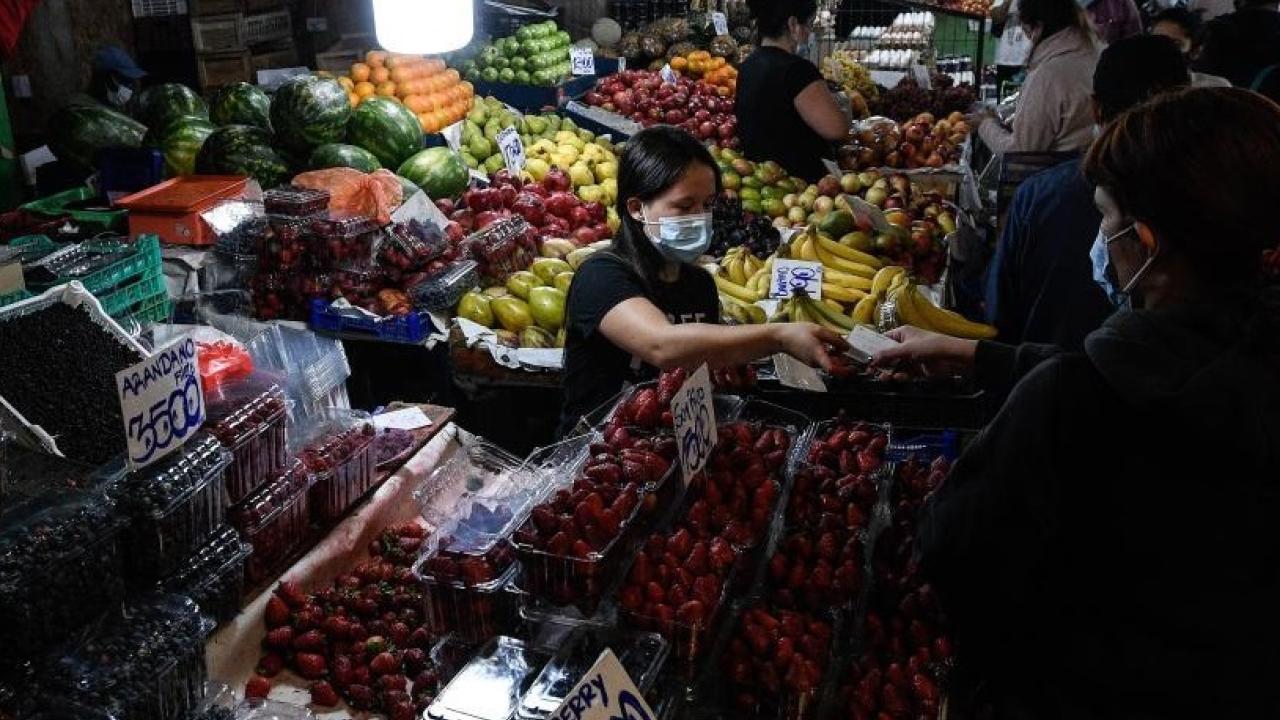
{"x": 689, "y": 640}
{"x": 642, "y": 655}
{"x": 490, "y": 685}
{"x": 292, "y": 201}
{"x": 148, "y": 664}
{"x": 173, "y": 507}
{"x": 248, "y": 416}
{"x": 342, "y": 238}
{"x": 473, "y": 611}
{"x": 411, "y": 245}
{"x": 275, "y": 521}
{"x": 443, "y": 290}
{"x": 766, "y": 690}
{"x": 280, "y": 244}
{"x": 214, "y": 576}
{"x": 339, "y": 450}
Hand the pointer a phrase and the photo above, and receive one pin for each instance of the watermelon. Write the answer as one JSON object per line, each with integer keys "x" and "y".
{"x": 241, "y": 104}
{"x": 181, "y": 142}
{"x": 308, "y": 111}
{"x": 387, "y": 129}
{"x": 439, "y": 171}
{"x": 243, "y": 150}
{"x": 339, "y": 155}
{"x": 159, "y": 105}
{"x": 77, "y": 132}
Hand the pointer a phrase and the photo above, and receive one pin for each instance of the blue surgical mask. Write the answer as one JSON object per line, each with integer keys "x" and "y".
{"x": 1103, "y": 273}
{"x": 683, "y": 238}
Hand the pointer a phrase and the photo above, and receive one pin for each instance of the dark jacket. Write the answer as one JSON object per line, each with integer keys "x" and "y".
{"x": 1110, "y": 545}
{"x": 1041, "y": 288}
{"x": 1240, "y": 45}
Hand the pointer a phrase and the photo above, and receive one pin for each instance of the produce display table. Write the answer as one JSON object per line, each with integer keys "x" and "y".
{"x": 233, "y": 651}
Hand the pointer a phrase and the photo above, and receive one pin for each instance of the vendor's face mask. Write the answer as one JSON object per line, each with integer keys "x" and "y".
{"x": 681, "y": 238}
{"x": 1104, "y": 274}
{"x": 119, "y": 96}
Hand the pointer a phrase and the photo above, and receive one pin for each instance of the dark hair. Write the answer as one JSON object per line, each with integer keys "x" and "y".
{"x": 1131, "y": 70}
{"x": 1052, "y": 16}
{"x": 1191, "y": 22}
{"x": 771, "y": 16}
{"x": 1200, "y": 166}
{"x": 654, "y": 160}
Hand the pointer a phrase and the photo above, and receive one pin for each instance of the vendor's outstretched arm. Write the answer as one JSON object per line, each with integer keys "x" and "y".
{"x": 639, "y": 327}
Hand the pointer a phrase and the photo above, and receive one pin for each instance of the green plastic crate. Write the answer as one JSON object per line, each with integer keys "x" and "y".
{"x": 118, "y": 301}
{"x": 13, "y": 297}
{"x": 157, "y": 310}
{"x": 144, "y": 260}
{"x": 56, "y": 204}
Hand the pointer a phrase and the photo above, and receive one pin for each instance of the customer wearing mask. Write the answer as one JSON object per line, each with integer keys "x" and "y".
{"x": 1039, "y": 288}
{"x": 1107, "y": 546}
{"x": 1185, "y": 28}
{"x": 1113, "y": 20}
{"x": 1055, "y": 112}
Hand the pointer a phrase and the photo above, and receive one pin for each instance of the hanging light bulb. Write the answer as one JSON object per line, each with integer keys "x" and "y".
{"x": 420, "y": 27}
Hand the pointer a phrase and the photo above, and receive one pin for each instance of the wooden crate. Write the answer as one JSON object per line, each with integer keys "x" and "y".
{"x": 218, "y": 69}
{"x": 276, "y": 55}
{"x": 214, "y": 7}
{"x": 259, "y": 5}
{"x": 266, "y": 27}
{"x": 216, "y": 33}
{"x": 347, "y": 51}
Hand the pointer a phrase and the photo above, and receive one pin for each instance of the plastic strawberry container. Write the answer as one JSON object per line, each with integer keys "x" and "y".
{"x": 214, "y": 576}
{"x": 275, "y": 521}
{"x": 281, "y": 244}
{"x": 473, "y": 611}
{"x": 498, "y": 249}
{"x": 411, "y": 245}
{"x": 291, "y": 201}
{"x": 343, "y": 238}
{"x": 642, "y": 655}
{"x": 759, "y": 682}
{"x": 147, "y": 664}
{"x": 490, "y": 686}
{"x": 248, "y": 416}
{"x": 444, "y": 289}
{"x": 173, "y": 507}
{"x": 338, "y": 449}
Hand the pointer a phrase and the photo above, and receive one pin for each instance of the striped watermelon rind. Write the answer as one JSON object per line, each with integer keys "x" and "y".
{"x": 159, "y": 105}
{"x": 243, "y": 150}
{"x": 387, "y": 129}
{"x": 342, "y": 155}
{"x": 182, "y": 142}
{"x": 77, "y": 132}
{"x": 309, "y": 111}
{"x": 241, "y": 104}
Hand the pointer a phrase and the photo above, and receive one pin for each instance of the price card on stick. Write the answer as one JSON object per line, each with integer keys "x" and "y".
{"x": 512, "y": 148}
{"x": 161, "y": 401}
{"x": 605, "y": 692}
{"x": 832, "y": 168}
{"x": 792, "y": 275}
{"x": 720, "y": 22}
{"x": 582, "y": 60}
{"x": 693, "y": 410}
{"x": 668, "y": 75}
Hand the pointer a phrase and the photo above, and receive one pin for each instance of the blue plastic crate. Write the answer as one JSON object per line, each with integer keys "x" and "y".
{"x": 925, "y": 445}
{"x": 124, "y": 171}
{"x": 412, "y": 328}
{"x": 530, "y": 98}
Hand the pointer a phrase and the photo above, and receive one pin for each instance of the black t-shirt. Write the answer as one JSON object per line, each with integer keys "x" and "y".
{"x": 594, "y": 368}
{"x": 768, "y": 123}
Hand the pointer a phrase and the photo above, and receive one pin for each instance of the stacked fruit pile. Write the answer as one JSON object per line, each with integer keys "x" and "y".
{"x": 363, "y": 640}
{"x": 714, "y": 69}
{"x": 536, "y": 55}
{"x": 842, "y": 67}
{"x": 907, "y": 99}
{"x": 703, "y": 109}
{"x": 436, "y": 94}
{"x": 921, "y": 142}
{"x": 669, "y": 38}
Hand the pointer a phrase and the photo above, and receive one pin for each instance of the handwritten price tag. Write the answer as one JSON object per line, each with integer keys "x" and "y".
{"x": 694, "y": 412}
{"x": 605, "y": 692}
{"x": 720, "y": 22}
{"x": 512, "y": 148}
{"x": 668, "y": 75}
{"x": 792, "y": 275}
{"x": 583, "y": 61}
{"x": 161, "y": 401}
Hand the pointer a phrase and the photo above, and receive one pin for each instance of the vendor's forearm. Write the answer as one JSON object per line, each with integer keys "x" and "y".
{"x": 718, "y": 346}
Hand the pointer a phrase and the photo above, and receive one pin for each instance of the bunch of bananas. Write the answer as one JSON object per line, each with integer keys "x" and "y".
{"x": 912, "y": 307}
{"x": 739, "y": 274}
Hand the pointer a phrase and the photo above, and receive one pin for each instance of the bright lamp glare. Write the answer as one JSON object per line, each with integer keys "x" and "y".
{"x": 423, "y": 26}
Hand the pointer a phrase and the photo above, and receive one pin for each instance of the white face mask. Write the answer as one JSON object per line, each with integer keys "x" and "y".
{"x": 683, "y": 238}
{"x": 120, "y": 96}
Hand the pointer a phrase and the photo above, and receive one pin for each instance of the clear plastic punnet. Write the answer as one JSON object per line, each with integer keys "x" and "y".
{"x": 491, "y": 685}
{"x": 275, "y": 520}
{"x": 642, "y": 655}
{"x": 214, "y": 576}
{"x": 248, "y": 416}
{"x": 337, "y": 445}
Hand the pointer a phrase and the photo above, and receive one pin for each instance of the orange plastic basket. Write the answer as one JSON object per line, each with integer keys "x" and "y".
{"x": 172, "y": 208}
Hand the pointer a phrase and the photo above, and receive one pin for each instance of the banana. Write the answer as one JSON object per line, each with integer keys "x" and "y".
{"x": 842, "y": 293}
{"x": 807, "y": 250}
{"x": 904, "y": 297}
{"x": 737, "y": 273}
{"x": 833, "y": 319}
{"x": 750, "y": 264}
{"x": 782, "y": 313}
{"x": 756, "y": 314}
{"x": 733, "y": 289}
{"x": 880, "y": 283}
{"x": 849, "y": 253}
{"x": 836, "y": 262}
{"x": 832, "y": 304}
{"x": 947, "y": 321}
{"x": 857, "y": 282}
{"x": 865, "y": 311}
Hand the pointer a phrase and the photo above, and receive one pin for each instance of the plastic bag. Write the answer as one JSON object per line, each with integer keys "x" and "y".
{"x": 373, "y": 194}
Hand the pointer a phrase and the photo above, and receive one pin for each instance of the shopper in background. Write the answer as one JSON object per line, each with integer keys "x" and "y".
{"x": 1107, "y": 546}
{"x": 1013, "y": 47}
{"x": 1054, "y": 109}
{"x": 1185, "y": 28}
{"x": 643, "y": 304}
{"x": 1113, "y": 20}
{"x": 785, "y": 111}
{"x": 116, "y": 77}
{"x": 1243, "y": 46}
{"x": 1040, "y": 287}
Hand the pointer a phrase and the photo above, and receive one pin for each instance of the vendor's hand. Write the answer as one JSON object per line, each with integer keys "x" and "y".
{"x": 984, "y": 113}
{"x": 809, "y": 343}
{"x": 926, "y": 353}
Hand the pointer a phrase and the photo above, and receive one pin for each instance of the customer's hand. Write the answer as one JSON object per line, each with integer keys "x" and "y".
{"x": 809, "y": 343}
{"x": 928, "y": 354}
{"x": 984, "y": 113}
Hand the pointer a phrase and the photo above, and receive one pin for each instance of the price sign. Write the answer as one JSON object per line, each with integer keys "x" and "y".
{"x": 865, "y": 213}
{"x": 161, "y": 401}
{"x": 792, "y": 275}
{"x": 605, "y": 692}
{"x": 720, "y": 22}
{"x": 921, "y": 74}
{"x": 453, "y": 135}
{"x": 832, "y": 168}
{"x": 694, "y": 413}
{"x": 793, "y": 373}
{"x": 622, "y": 64}
{"x": 668, "y": 75}
{"x": 512, "y": 148}
{"x": 582, "y": 60}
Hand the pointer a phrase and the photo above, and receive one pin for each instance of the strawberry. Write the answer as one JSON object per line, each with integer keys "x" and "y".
{"x": 291, "y": 592}
{"x": 384, "y": 663}
{"x": 309, "y": 641}
{"x": 402, "y": 710}
{"x": 692, "y": 613}
{"x": 270, "y": 665}
{"x": 323, "y": 694}
{"x": 277, "y": 612}
{"x": 257, "y": 687}
{"x": 360, "y": 697}
{"x": 280, "y": 638}
{"x": 342, "y": 671}
{"x": 310, "y": 665}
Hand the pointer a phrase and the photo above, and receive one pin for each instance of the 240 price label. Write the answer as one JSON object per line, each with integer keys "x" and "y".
{"x": 694, "y": 415}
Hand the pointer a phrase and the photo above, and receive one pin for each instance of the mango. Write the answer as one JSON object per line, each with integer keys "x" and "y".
{"x": 562, "y": 282}
{"x": 548, "y": 268}
{"x": 546, "y": 304}
{"x": 475, "y": 307}
{"x": 521, "y": 283}
{"x": 512, "y": 313}
{"x": 535, "y": 337}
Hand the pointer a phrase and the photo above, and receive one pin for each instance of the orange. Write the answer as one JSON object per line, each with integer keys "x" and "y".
{"x": 435, "y": 65}
{"x": 365, "y": 89}
{"x": 346, "y": 83}
{"x": 379, "y": 75}
{"x": 679, "y": 63}
{"x": 453, "y": 75}
{"x": 425, "y": 121}
{"x": 353, "y": 99}
{"x": 468, "y": 88}
{"x": 376, "y": 58}
{"x": 387, "y": 89}
{"x": 399, "y": 74}
{"x": 360, "y": 72}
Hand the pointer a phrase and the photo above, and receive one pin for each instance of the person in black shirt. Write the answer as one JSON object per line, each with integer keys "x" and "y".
{"x": 643, "y": 304}
{"x": 785, "y": 111}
